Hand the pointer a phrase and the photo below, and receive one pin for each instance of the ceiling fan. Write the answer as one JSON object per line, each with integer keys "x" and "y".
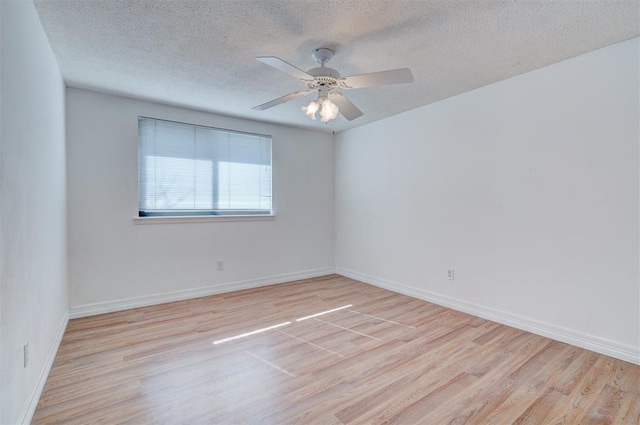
{"x": 326, "y": 82}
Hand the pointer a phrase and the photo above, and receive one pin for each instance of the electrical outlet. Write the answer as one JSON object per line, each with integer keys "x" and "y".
{"x": 25, "y": 354}
{"x": 450, "y": 274}
{"x": 219, "y": 265}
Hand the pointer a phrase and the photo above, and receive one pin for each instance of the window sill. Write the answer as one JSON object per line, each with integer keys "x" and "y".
{"x": 201, "y": 219}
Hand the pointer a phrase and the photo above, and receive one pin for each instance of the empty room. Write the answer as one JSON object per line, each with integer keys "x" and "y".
{"x": 320, "y": 212}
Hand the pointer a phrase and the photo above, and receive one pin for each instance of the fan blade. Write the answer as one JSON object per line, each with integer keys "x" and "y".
{"x": 278, "y": 101}
{"x": 283, "y": 66}
{"x": 345, "y": 106}
{"x": 382, "y": 78}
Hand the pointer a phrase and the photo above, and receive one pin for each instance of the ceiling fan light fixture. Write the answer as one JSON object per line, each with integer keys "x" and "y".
{"x": 329, "y": 110}
{"x": 311, "y": 109}
{"x": 325, "y": 81}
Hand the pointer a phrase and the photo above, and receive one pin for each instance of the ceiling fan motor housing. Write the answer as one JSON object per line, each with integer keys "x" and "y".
{"x": 323, "y": 77}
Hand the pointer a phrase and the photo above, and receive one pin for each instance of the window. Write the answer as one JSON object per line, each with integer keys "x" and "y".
{"x": 191, "y": 170}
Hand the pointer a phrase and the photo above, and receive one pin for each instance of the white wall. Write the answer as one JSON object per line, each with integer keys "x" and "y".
{"x": 528, "y": 188}
{"x": 113, "y": 259}
{"x": 33, "y": 265}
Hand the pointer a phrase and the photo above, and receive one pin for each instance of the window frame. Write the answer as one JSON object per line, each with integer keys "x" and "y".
{"x": 201, "y": 215}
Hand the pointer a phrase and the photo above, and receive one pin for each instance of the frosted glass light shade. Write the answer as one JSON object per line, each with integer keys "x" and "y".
{"x": 311, "y": 110}
{"x": 329, "y": 111}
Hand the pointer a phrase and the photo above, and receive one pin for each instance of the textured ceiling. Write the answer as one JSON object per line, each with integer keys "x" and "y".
{"x": 200, "y": 53}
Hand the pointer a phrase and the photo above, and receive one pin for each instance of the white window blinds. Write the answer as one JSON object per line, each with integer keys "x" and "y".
{"x": 186, "y": 169}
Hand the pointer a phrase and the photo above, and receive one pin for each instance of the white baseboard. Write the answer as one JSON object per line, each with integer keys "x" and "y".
{"x": 44, "y": 373}
{"x": 590, "y": 342}
{"x": 128, "y": 303}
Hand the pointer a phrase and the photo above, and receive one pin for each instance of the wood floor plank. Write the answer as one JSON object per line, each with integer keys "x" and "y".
{"x": 606, "y": 407}
{"x": 387, "y": 358}
{"x": 528, "y": 382}
{"x": 584, "y": 397}
{"x": 627, "y": 378}
{"x": 629, "y": 412}
{"x": 417, "y": 412}
{"x": 431, "y": 370}
{"x": 403, "y": 365}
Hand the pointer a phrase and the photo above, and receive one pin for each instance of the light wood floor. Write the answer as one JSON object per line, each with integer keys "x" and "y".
{"x": 387, "y": 358}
